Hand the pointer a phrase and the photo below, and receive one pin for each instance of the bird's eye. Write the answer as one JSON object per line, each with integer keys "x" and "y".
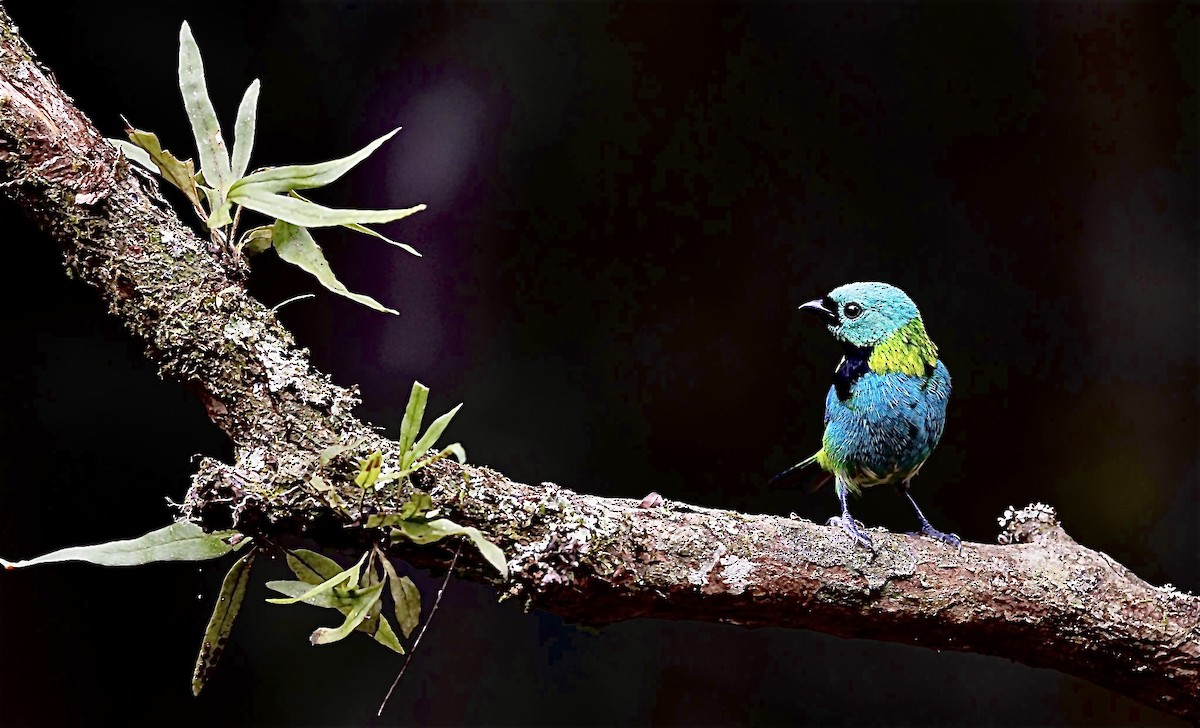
{"x": 853, "y": 310}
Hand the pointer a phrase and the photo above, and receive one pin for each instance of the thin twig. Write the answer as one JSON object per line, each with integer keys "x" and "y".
{"x": 412, "y": 650}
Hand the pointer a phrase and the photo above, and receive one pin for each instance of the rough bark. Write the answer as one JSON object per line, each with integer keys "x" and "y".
{"x": 1040, "y": 598}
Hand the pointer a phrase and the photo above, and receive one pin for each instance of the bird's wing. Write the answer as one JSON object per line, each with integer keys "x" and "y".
{"x": 805, "y": 474}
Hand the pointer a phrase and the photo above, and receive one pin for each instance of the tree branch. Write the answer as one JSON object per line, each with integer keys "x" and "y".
{"x": 1042, "y": 599}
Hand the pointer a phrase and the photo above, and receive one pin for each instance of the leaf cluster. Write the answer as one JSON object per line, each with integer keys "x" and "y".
{"x": 221, "y": 188}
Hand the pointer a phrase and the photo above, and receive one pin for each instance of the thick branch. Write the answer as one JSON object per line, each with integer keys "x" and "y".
{"x": 1044, "y": 601}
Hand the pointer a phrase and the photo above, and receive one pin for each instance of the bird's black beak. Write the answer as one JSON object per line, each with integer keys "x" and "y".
{"x": 824, "y": 309}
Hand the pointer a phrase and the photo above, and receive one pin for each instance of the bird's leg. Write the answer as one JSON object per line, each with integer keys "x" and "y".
{"x": 926, "y": 529}
{"x": 846, "y": 521}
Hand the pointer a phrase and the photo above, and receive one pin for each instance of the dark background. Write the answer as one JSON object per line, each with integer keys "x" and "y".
{"x": 626, "y": 205}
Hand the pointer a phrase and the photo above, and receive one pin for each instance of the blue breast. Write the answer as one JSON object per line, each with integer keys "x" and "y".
{"x": 887, "y": 427}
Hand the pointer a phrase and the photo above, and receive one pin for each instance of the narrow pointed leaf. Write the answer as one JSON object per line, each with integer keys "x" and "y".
{"x": 490, "y": 551}
{"x": 440, "y": 528}
{"x": 299, "y": 589}
{"x": 309, "y": 214}
{"x": 229, "y": 601}
{"x": 364, "y": 230}
{"x": 370, "y": 623}
{"x": 414, "y": 412}
{"x": 405, "y": 598}
{"x": 436, "y": 428}
{"x": 134, "y": 153}
{"x": 348, "y": 576}
{"x": 296, "y": 246}
{"x": 386, "y": 636}
{"x": 180, "y": 173}
{"x": 183, "y": 541}
{"x": 368, "y": 231}
{"x": 243, "y": 130}
{"x": 362, "y": 605}
{"x": 455, "y": 449}
{"x": 307, "y": 176}
{"x": 210, "y": 146}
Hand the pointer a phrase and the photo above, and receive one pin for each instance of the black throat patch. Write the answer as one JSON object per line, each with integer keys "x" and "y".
{"x": 853, "y": 366}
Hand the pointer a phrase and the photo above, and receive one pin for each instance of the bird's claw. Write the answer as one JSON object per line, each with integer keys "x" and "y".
{"x": 850, "y": 526}
{"x": 949, "y": 539}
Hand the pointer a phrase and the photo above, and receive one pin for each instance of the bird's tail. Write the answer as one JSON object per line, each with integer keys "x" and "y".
{"x": 806, "y": 474}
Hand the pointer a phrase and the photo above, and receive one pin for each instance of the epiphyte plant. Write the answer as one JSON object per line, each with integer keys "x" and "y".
{"x": 221, "y": 189}
{"x": 357, "y": 593}
{"x": 219, "y": 192}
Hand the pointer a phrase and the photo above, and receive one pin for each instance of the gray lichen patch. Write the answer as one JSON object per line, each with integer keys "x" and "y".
{"x": 1034, "y": 522}
{"x": 725, "y": 572}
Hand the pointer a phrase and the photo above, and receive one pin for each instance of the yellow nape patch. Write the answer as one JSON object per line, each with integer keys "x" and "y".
{"x": 908, "y": 351}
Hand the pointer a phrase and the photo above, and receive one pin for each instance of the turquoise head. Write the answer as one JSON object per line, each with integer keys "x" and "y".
{"x": 864, "y": 315}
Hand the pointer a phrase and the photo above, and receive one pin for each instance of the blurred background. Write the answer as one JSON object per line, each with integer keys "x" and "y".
{"x": 627, "y": 203}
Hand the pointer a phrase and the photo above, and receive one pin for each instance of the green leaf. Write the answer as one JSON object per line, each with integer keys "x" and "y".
{"x": 455, "y": 449}
{"x": 405, "y": 597}
{"x": 368, "y": 470}
{"x": 370, "y": 623}
{"x": 414, "y": 412}
{"x": 385, "y": 635}
{"x": 363, "y": 601}
{"x": 243, "y": 130}
{"x": 220, "y": 217}
{"x": 134, "y": 153}
{"x": 307, "y": 176}
{"x": 490, "y": 551}
{"x": 309, "y": 214}
{"x": 417, "y": 505}
{"x": 348, "y": 576}
{"x": 436, "y": 530}
{"x": 299, "y": 590}
{"x": 436, "y": 428}
{"x": 219, "y": 208}
{"x": 256, "y": 240}
{"x": 311, "y": 567}
{"x": 368, "y": 231}
{"x": 181, "y": 174}
{"x": 296, "y": 246}
{"x": 229, "y": 601}
{"x": 214, "y": 159}
{"x": 364, "y": 230}
{"x": 213, "y": 197}
{"x": 182, "y": 541}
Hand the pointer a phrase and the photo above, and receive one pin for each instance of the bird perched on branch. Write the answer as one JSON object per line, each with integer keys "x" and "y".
{"x": 886, "y": 409}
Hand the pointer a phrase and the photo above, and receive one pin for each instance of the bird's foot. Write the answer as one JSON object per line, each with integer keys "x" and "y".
{"x": 851, "y": 527}
{"x": 949, "y": 539}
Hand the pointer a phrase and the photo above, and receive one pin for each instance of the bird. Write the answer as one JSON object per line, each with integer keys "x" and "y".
{"x": 886, "y": 408}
